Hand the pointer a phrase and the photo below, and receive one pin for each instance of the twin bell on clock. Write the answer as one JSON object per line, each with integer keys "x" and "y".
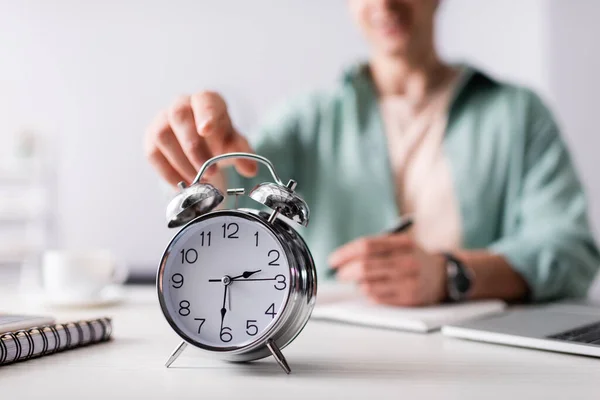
{"x": 239, "y": 284}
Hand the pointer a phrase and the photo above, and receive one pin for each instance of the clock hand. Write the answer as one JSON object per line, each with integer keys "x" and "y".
{"x": 258, "y": 279}
{"x": 245, "y": 275}
{"x": 223, "y": 309}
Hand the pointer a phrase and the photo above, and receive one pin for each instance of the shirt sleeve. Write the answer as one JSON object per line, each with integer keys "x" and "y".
{"x": 552, "y": 246}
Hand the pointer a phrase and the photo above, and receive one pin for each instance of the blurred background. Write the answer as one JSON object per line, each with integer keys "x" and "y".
{"x": 80, "y": 80}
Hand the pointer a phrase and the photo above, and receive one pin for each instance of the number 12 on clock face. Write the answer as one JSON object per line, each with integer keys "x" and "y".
{"x": 226, "y": 282}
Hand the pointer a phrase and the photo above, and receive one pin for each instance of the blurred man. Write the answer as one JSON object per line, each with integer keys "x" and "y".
{"x": 498, "y": 208}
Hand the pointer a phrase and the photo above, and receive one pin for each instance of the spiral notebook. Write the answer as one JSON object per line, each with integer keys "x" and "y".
{"x": 24, "y": 344}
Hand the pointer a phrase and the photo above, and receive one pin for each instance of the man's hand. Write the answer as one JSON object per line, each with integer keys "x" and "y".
{"x": 392, "y": 269}
{"x": 192, "y": 130}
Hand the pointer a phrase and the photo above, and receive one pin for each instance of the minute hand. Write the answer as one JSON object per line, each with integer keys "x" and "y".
{"x": 223, "y": 309}
{"x": 258, "y": 279}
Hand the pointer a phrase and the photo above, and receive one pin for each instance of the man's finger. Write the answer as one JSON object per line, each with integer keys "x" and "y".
{"x": 364, "y": 269}
{"x": 214, "y": 124}
{"x": 171, "y": 150}
{"x": 377, "y": 291}
{"x": 370, "y": 246}
{"x": 181, "y": 119}
{"x": 164, "y": 168}
{"x": 393, "y": 293}
{"x": 246, "y": 167}
{"x": 210, "y": 114}
{"x": 386, "y": 267}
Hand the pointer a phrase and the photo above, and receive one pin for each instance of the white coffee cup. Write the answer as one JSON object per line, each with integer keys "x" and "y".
{"x": 79, "y": 275}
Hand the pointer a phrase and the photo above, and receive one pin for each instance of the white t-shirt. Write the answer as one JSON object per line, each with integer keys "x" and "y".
{"x": 424, "y": 187}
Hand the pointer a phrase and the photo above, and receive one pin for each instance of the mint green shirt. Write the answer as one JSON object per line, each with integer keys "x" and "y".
{"x": 517, "y": 189}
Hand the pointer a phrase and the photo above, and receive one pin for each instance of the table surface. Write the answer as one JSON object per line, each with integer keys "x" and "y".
{"x": 328, "y": 361}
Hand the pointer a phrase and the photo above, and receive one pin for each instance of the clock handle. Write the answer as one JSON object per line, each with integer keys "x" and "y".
{"x": 249, "y": 156}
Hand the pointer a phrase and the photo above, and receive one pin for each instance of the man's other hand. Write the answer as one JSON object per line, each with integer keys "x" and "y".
{"x": 392, "y": 269}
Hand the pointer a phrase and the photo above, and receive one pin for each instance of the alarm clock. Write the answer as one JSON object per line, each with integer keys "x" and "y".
{"x": 239, "y": 284}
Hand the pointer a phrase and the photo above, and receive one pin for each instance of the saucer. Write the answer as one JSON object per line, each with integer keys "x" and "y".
{"x": 109, "y": 296}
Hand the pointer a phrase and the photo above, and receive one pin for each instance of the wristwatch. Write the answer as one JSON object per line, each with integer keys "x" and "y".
{"x": 459, "y": 278}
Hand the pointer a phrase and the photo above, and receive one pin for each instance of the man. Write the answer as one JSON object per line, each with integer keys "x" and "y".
{"x": 499, "y": 211}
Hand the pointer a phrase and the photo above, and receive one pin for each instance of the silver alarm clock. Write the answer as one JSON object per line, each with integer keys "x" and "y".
{"x": 238, "y": 283}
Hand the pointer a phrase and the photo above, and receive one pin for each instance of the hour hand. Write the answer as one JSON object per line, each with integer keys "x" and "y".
{"x": 246, "y": 274}
{"x": 223, "y": 309}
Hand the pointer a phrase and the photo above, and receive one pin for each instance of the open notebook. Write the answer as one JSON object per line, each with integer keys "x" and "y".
{"x": 344, "y": 304}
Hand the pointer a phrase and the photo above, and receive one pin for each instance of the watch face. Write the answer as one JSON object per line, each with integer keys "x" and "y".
{"x": 224, "y": 281}
{"x": 459, "y": 279}
{"x": 462, "y": 283}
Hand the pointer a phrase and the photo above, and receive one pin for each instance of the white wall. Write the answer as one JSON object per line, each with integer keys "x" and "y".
{"x": 506, "y": 38}
{"x": 574, "y": 69}
{"x": 91, "y": 74}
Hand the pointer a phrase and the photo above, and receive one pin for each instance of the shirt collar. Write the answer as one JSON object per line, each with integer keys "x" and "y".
{"x": 359, "y": 76}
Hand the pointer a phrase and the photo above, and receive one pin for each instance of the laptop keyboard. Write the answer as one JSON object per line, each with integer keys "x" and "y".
{"x": 589, "y": 334}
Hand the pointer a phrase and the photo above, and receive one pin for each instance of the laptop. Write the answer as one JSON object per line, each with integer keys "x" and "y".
{"x": 564, "y": 327}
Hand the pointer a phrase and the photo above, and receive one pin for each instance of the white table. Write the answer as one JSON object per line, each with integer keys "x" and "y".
{"x": 327, "y": 360}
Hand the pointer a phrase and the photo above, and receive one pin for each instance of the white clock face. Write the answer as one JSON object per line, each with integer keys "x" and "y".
{"x": 225, "y": 281}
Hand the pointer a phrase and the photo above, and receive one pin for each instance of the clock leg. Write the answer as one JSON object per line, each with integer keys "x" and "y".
{"x": 278, "y": 356}
{"x": 176, "y": 353}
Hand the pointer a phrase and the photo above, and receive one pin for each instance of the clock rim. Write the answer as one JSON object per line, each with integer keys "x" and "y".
{"x": 288, "y": 306}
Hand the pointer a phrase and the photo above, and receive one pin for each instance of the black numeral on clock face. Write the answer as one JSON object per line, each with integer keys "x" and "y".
{"x": 205, "y": 238}
{"x": 184, "y": 308}
{"x": 177, "y": 280}
{"x": 274, "y": 254}
{"x": 189, "y": 256}
{"x": 202, "y": 321}
{"x": 251, "y": 329}
{"x": 230, "y": 230}
{"x": 226, "y": 335}
{"x": 271, "y": 311}
{"x": 281, "y": 284}
{"x": 256, "y": 236}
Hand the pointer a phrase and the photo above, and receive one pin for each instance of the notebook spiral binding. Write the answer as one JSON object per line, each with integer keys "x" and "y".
{"x": 52, "y": 331}
{"x": 68, "y": 332}
{"x": 17, "y": 343}
{"x": 92, "y": 331}
{"x": 30, "y": 343}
